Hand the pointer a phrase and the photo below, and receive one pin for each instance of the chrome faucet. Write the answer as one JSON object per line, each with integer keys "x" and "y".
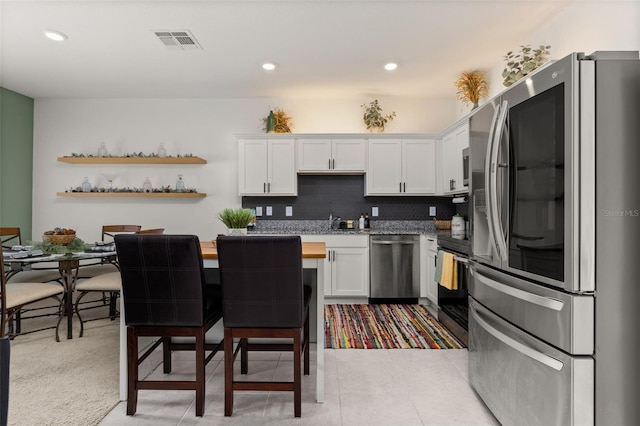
{"x": 332, "y": 220}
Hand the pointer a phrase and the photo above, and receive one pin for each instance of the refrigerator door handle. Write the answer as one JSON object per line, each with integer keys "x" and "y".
{"x": 545, "y": 302}
{"x": 498, "y": 232}
{"x": 487, "y": 175}
{"x": 523, "y": 349}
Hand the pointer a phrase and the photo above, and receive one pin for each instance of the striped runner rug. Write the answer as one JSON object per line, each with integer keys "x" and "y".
{"x": 385, "y": 327}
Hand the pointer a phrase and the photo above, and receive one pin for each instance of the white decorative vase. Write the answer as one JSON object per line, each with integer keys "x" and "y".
{"x": 236, "y": 231}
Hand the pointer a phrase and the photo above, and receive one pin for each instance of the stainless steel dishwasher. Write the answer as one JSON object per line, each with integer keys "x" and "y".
{"x": 394, "y": 268}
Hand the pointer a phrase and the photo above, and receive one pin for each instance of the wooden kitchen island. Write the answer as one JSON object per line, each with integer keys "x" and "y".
{"x": 313, "y": 256}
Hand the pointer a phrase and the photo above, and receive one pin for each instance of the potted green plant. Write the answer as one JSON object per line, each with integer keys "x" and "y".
{"x": 373, "y": 118}
{"x": 522, "y": 63}
{"x": 236, "y": 220}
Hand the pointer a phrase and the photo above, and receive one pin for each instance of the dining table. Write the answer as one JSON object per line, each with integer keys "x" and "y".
{"x": 313, "y": 258}
{"x": 67, "y": 265}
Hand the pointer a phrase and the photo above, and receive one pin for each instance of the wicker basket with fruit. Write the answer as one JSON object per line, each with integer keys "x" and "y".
{"x": 62, "y": 236}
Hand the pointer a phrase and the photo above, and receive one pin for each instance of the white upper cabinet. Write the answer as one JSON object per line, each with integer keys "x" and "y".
{"x": 401, "y": 167}
{"x": 453, "y": 143}
{"x": 267, "y": 167}
{"x": 331, "y": 155}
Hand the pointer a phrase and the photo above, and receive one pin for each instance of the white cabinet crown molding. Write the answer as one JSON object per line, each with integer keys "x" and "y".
{"x": 338, "y": 136}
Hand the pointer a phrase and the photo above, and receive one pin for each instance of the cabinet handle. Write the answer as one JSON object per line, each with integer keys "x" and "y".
{"x": 334, "y": 255}
{"x": 329, "y": 163}
{"x": 333, "y": 164}
{"x": 404, "y": 187}
{"x": 264, "y": 187}
{"x": 400, "y": 187}
{"x": 269, "y": 187}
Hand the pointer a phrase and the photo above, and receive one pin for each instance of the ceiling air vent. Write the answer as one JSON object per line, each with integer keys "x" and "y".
{"x": 178, "y": 40}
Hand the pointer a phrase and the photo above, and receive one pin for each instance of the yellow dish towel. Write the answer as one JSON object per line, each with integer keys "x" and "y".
{"x": 449, "y": 272}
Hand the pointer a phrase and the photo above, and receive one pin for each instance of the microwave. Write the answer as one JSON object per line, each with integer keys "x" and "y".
{"x": 465, "y": 167}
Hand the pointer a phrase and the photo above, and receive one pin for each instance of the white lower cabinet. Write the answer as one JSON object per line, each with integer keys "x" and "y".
{"x": 346, "y": 265}
{"x": 428, "y": 284}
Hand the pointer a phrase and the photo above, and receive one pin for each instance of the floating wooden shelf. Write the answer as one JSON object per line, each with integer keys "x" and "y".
{"x": 132, "y": 160}
{"x": 134, "y": 194}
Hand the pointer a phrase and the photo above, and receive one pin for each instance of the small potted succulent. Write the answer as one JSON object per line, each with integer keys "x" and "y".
{"x": 373, "y": 118}
{"x": 236, "y": 220}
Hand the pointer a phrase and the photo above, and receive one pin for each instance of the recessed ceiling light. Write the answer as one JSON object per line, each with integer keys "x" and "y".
{"x": 269, "y": 66}
{"x": 390, "y": 66}
{"x": 55, "y": 35}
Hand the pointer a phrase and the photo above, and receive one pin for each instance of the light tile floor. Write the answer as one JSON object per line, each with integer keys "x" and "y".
{"x": 362, "y": 387}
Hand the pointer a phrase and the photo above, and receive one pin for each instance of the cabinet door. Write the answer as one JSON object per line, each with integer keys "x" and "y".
{"x": 452, "y": 145}
{"x": 349, "y": 271}
{"x": 418, "y": 167}
{"x": 282, "y": 168}
{"x": 314, "y": 155}
{"x": 252, "y": 166}
{"x": 348, "y": 155}
{"x": 449, "y": 150}
{"x": 432, "y": 285}
{"x": 384, "y": 173}
{"x": 462, "y": 142}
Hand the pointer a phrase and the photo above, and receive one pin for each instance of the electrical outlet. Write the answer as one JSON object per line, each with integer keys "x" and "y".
{"x": 259, "y": 211}
{"x": 269, "y": 210}
{"x": 288, "y": 211}
{"x": 432, "y": 211}
{"x": 374, "y": 211}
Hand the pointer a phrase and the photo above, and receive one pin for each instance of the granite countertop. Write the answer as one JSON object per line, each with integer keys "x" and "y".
{"x": 321, "y": 227}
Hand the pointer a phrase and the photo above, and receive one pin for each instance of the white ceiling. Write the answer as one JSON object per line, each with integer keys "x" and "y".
{"x": 324, "y": 49}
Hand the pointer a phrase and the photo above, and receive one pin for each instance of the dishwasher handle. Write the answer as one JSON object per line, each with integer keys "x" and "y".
{"x": 388, "y": 242}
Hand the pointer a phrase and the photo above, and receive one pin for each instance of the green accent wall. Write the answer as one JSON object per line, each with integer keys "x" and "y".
{"x": 16, "y": 161}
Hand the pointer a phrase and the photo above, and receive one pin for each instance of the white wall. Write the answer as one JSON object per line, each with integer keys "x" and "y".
{"x": 583, "y": 26}
{"x": 205, "y": 127}
{"x": 202, "y": 127}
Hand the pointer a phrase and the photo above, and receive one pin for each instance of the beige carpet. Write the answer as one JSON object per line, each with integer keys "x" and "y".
{"x": 73, "y": 382}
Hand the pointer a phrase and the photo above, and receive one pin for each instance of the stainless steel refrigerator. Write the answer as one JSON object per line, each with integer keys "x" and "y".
{"x": 554, "y": 284}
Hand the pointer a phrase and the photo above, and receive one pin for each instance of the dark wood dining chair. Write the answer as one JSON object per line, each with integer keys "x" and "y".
{"x": 107, "y": 264}
{"x": 165, "y": 296}
{"x": 15, "y": 296}
{"x": 107, "y": 283}
{"x": 5, "y": 355}
{"x": 151, "y": 231}
{"x": 263, "y": 297}
{"x": 11, "y": 236}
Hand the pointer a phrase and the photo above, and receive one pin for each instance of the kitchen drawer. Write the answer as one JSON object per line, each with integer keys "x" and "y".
{"x": 561, "y": 319}
{"x": 432, "y": 244}
{"x": 338, "y": 240}
{"x": 522, "y": 379}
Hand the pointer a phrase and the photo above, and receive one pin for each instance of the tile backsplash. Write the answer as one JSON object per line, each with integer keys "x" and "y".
{"x": 320, "y": 195}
